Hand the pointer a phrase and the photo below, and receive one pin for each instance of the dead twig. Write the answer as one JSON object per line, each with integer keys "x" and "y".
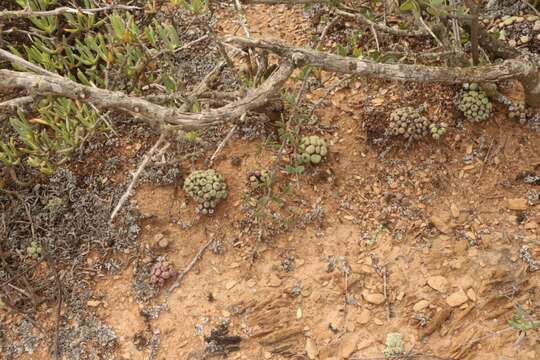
{"x": 27, "y": 13}
{"x": 222, "y": 144}
{"x": 136, "y": 175}
{"x": 197, "y": 258}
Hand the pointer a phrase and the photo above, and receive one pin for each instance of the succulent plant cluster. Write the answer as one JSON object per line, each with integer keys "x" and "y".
{"x": 517, "y": 111}
{"x": 409, "y": 123}
{"x": 474, "y": 103}
{"x": 207, "y": 188}
{"x": 312, "y": 150}
{"x": 161, "y": 272}
{"x": 258, "y": 178}
{"x": 34, "y": 250}
{"x": 438, "y": 130}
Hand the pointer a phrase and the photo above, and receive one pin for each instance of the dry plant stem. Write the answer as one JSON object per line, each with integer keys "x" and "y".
{"x": 154, "y": 114}
{"x": 381, "y": 27}
{"x": 11, "y": 106}
{"x": 197, "y": 258}
{"x": 225, "y": 140}
{"x": 6, "y": 14}
{"x": 136, "y": 175}
{"x": 508, "y": 69}
{"x": 22, "y": 62}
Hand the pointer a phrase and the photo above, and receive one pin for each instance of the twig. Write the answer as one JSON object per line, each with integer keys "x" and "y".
{"x": 222, "y": 144}
{"x": 136, "y": 175}
{"x": 20, "y": 61}
{"x": 386, "y": 300}
{"x": 197, "y": 258}
{"x": 376, "y": 38}
{"x": 27, "y": 13}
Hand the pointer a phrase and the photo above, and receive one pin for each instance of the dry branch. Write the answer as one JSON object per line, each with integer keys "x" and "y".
{"x": 508, "y": 69}
{"x": 27, "y": 13}
{"x": 155, "y": 115}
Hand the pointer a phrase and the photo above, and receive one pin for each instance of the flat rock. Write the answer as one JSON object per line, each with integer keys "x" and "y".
{"x": 373, "y": 298}
{"x": 517, "y": 204}
{"x": 93, "y": 303}
{"x": 364, "y": 317}
{"x": 311, "y": 349}
{"x": 421, "y": 305}
{"x": 438, "y": 283}
{"x": 443, "y": 225}
{"x": 274, "y": 281}
{"x": 458, "y": 298}
{"x": 347, "y": 345}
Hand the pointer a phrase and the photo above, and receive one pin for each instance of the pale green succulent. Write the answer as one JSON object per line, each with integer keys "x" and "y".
{"x": 394, "y": 345}
{"x": 312, "y": 150}
{"x": 474, "y": 103}
{"x": 34, "y": 250}
{"x": 207, "y": 188}
{"x": 438, "y": 130}
{"x": 409, "y": 123}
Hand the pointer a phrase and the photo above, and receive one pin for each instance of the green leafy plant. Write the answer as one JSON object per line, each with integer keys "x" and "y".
{"x": 522, "y": 321}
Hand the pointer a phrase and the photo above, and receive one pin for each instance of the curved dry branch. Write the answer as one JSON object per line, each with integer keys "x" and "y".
{"x": 381, "y": 27}
{"x": 508, "y": 69}
{"x": 155, "y": 115}
{"x": 26, "y": 13}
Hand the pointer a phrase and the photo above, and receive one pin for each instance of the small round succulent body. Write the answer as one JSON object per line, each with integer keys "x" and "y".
{"x": 408, "y": 123}
{"x": 474, "y": 103}
{"x": 258, "y": 178}
{"x": 517, "y": 111}
{"x": 34, "y": 250}
{"x": 438, "y": 130}
{"x": 207, "y": 188}
{"x": 161, "y": 272}
{"x": 312, "y": 150}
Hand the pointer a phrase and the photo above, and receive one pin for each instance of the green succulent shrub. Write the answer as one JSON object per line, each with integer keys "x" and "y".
{"x": 34, "y": 250}
{"x": 106, "y": 50}
{"x": 438, "y": 130}
{"x": 474, "y": 103}
{"x": 312, "y": 150}
{"x": 259, "y": 178}
{"x": 207, "y": 188}
{"x": 408, "y": 123}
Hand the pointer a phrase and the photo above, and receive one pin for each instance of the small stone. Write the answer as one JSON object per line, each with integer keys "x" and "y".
{"x": 373, "y": 298}
{"x": 441, "y": 224}
{"x": 378, "y": 322}
{"x": 471, "y": 295}
{"x": 364, "y": 317}
{"x": 421, "y": 305}
{"x": 456, "y": 299}
{"x": 251, "y": 283}
{"x": 454, "y": 211}
{"x": 163, "y": 243}
{"x": 274, "y": 281}
{"x": 512, "y": 43}
{"x": 536, "y": 26}
{"x": 348, "y": 345}
{"x": 438, "y": 283}
{"x": 229, "y": 285}
{"x": 311, "y": 349}
{"x": 517, "y": 204}
{"x": 93, "y": 303}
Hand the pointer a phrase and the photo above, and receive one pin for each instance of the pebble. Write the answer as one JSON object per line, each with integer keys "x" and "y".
{"x": 378, "y": 322}
{"x": 251, "y": 283}
{"x": 274, "y": 281}
{"x": 375, "y": 298}
{"x": 364, "y": 317}
{"x": 438, "y": 283}
{"x": 163, "y": 243}
{"x": 471, "y": 295}
{"x": 93, "y": 303}
{"x": 440, "y": 224}
{"x": 311, "y": 349}
{"x": 421, "y": 305}
{"x": 536, "y": 26}
{"x": 458, "y": 298}
{"x": 517, "y": 204}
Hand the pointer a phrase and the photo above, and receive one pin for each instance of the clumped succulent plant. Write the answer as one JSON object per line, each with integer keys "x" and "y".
{"x": 474, "y": 103}
{"x": 34, "y": 250}
{"x": 312, "y": 150}
{"x": 409, "y": 123}
{"x": 207, "y": 188}
{"x": 394, "y": 345}
{"x": 161, "y": 272}
{"x": 517, "y": 111}
{"x": 438, "y": 130}
{"x": 258, "y": 178}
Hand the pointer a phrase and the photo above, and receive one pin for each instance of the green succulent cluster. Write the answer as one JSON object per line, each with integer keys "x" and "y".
{"x": 394, "y": 345}
{"x": 409, "y": 123}
{"x": 34, "y": 250}
{"x": 438, "y": 130}
{"x": 474, "y": 103}
{"x": 207, "y": 188}
{"x": 312, "y": 150}
{"x": 258, "y": 178}
{"x": 517, "y": 111}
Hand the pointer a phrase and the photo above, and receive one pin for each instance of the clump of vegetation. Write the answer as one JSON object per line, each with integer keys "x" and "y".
{"x": 522, "y": 321}
{"x": 394, "y": 345}
{"x": 161, "y": 272}
{"x": 438, "y": 130}
{"x": 408, "y": 123}
{"x": 312, "y": 150}
{"x": 34, "y": 250}
{"x": 258, "y": 178}
{"x": 474, "y": 103}
{"x": 517, "y": 111}
{"x": 207, "y": 188}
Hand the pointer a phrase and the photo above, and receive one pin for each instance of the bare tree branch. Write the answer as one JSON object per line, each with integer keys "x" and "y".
{"x": 508, "y": 69}
{"x": 27, "y": 13}
{"x": 154, "y": 114}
